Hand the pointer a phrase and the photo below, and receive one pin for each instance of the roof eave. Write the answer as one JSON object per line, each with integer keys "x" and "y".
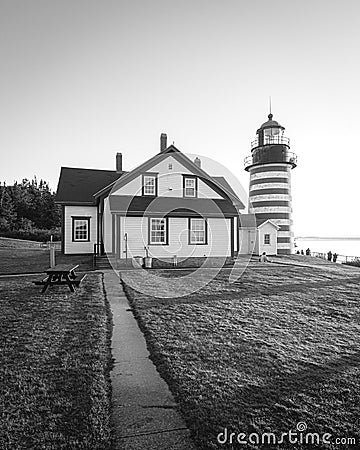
{"x": 73, "y": 203}
{"x": 196, "y": 169}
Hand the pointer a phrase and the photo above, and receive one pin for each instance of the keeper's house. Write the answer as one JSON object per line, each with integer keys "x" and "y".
{"x": 167, "y": 206}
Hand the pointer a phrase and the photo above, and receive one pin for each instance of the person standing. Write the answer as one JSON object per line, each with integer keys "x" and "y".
{"x": 335, "y": 255}
{"x": 329, "y": 255}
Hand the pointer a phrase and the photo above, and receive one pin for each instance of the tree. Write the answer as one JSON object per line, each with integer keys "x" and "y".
{"x": 28, "y": 206}
{"x": 7, "y": 210}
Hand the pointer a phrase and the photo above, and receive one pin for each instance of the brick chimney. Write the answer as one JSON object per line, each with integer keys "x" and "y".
{"x": 118, "y": 162}
{"x": 163, "y": 142}
{"x": 197, "y": 162}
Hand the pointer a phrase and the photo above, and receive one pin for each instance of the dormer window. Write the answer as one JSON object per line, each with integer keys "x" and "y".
{"x": 149, "y": 184}
{"x": 190, "y": 186}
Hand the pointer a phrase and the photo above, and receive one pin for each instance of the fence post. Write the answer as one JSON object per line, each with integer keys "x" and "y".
{"x": 52, "y": 252}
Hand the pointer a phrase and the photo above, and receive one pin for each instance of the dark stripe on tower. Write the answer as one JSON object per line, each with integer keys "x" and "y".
{"x": 265, "y": 216}
{"x": 269, "y": 169}
{"x": 270, "y": 191}
{"x": 284, "y": 251}
{"x": 269, "y": 180}
{"x": 283, "y": 240}
{"x": 284, "y": 227}
{"x": 270, "y": 202}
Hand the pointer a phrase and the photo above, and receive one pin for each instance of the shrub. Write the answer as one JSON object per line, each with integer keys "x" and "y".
{"x": 33, "y": 235}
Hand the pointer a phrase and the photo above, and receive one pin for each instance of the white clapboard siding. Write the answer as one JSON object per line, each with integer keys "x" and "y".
{"x": 136, "y": 228}
{"x": 247, "y": 241}
{"x": 170, "y": 184}
{"x": 170, "y": 181}
{"x": 164, "y": 167}
{"x": 134, "y": 187}
{"x": 205, "y": 191}
{"x": 270, "y": 249}
{"x": 80, "y": 211}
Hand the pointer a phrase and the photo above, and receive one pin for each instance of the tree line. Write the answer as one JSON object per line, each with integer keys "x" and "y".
{"x": 28, "y": 211}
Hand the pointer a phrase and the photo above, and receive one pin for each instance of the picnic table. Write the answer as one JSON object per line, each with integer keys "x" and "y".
{"x": 61, "y": 274}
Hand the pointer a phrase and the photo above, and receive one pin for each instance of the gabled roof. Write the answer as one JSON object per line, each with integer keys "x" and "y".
{"x": 77, "y": 186}
{"x": 83, "y": 186}
{"x": 222, "y": 181}
{"x": 219, "y": 184}
{"x": 270, "y": 222}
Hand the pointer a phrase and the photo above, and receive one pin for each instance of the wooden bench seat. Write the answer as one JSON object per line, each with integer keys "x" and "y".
{"x": 78, "y": 279}
{"x": 40, "y": 282}
{"x": 75, "y": 281}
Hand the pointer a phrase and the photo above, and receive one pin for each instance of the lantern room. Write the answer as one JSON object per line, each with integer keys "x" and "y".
{"x": 270, "y": 146}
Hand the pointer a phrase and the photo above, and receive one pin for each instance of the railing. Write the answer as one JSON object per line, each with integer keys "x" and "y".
{"x": 49, "y": 244}
{"x": 342, "y": 259}
{"x": 288, "y": 157}
{"x": 269, "y": 140}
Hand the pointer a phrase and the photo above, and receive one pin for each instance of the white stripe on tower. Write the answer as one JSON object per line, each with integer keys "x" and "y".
{"x": 256, "y": 187}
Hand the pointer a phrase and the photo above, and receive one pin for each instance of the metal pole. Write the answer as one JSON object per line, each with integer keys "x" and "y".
{"x": 126, "y": 248}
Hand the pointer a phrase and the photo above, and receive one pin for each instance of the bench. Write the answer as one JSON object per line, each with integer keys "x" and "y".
{"x": 78, "y": 279}
{"x": 61, "y": 274}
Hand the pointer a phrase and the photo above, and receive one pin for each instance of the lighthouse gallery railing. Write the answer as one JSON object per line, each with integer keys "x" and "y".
{"x": 287, "y": 157}
{"x": 268, "y": 140}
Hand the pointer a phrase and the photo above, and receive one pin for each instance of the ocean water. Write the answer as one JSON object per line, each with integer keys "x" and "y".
{"x": 344, "y": 247}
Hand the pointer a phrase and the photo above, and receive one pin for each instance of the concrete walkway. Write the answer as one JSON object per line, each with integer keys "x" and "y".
{"x": 144, "y": 411}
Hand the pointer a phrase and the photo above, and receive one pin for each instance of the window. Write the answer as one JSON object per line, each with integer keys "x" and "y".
{"x": 197, "y": 231}
{"x": 190, "y": 187}
{"x": 81, "y": 229}
{"x": 149, "y": 185}
{"x": 267, "y": 239}
{"x": 158, "y": 231}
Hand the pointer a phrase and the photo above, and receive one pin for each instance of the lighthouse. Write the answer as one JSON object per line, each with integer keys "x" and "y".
{"x": 270, "y": 165}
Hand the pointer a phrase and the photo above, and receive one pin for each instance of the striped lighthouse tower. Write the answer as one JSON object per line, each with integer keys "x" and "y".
{"x": 270, "y": 165}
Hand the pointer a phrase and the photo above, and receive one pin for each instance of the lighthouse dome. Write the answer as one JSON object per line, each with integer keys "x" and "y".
{"x": 271, "y": 123}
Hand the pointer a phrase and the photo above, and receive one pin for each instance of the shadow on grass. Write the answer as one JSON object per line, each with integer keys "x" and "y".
{"x": 243, "y": 289}
{"x": 22, "y": 261}
{"x": 318, "y": 395}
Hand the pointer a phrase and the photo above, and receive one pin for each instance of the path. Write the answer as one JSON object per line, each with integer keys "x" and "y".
{"x": 144, "y": 411}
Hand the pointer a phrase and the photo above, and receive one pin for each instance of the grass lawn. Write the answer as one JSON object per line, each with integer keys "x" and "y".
{"x": 23, "y": 260}
{"x": 54, "y": 366}
{"x": 278, "y": 347}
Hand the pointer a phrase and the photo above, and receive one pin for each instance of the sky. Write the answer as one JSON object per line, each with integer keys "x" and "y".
{"x": 81, "y": 80}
